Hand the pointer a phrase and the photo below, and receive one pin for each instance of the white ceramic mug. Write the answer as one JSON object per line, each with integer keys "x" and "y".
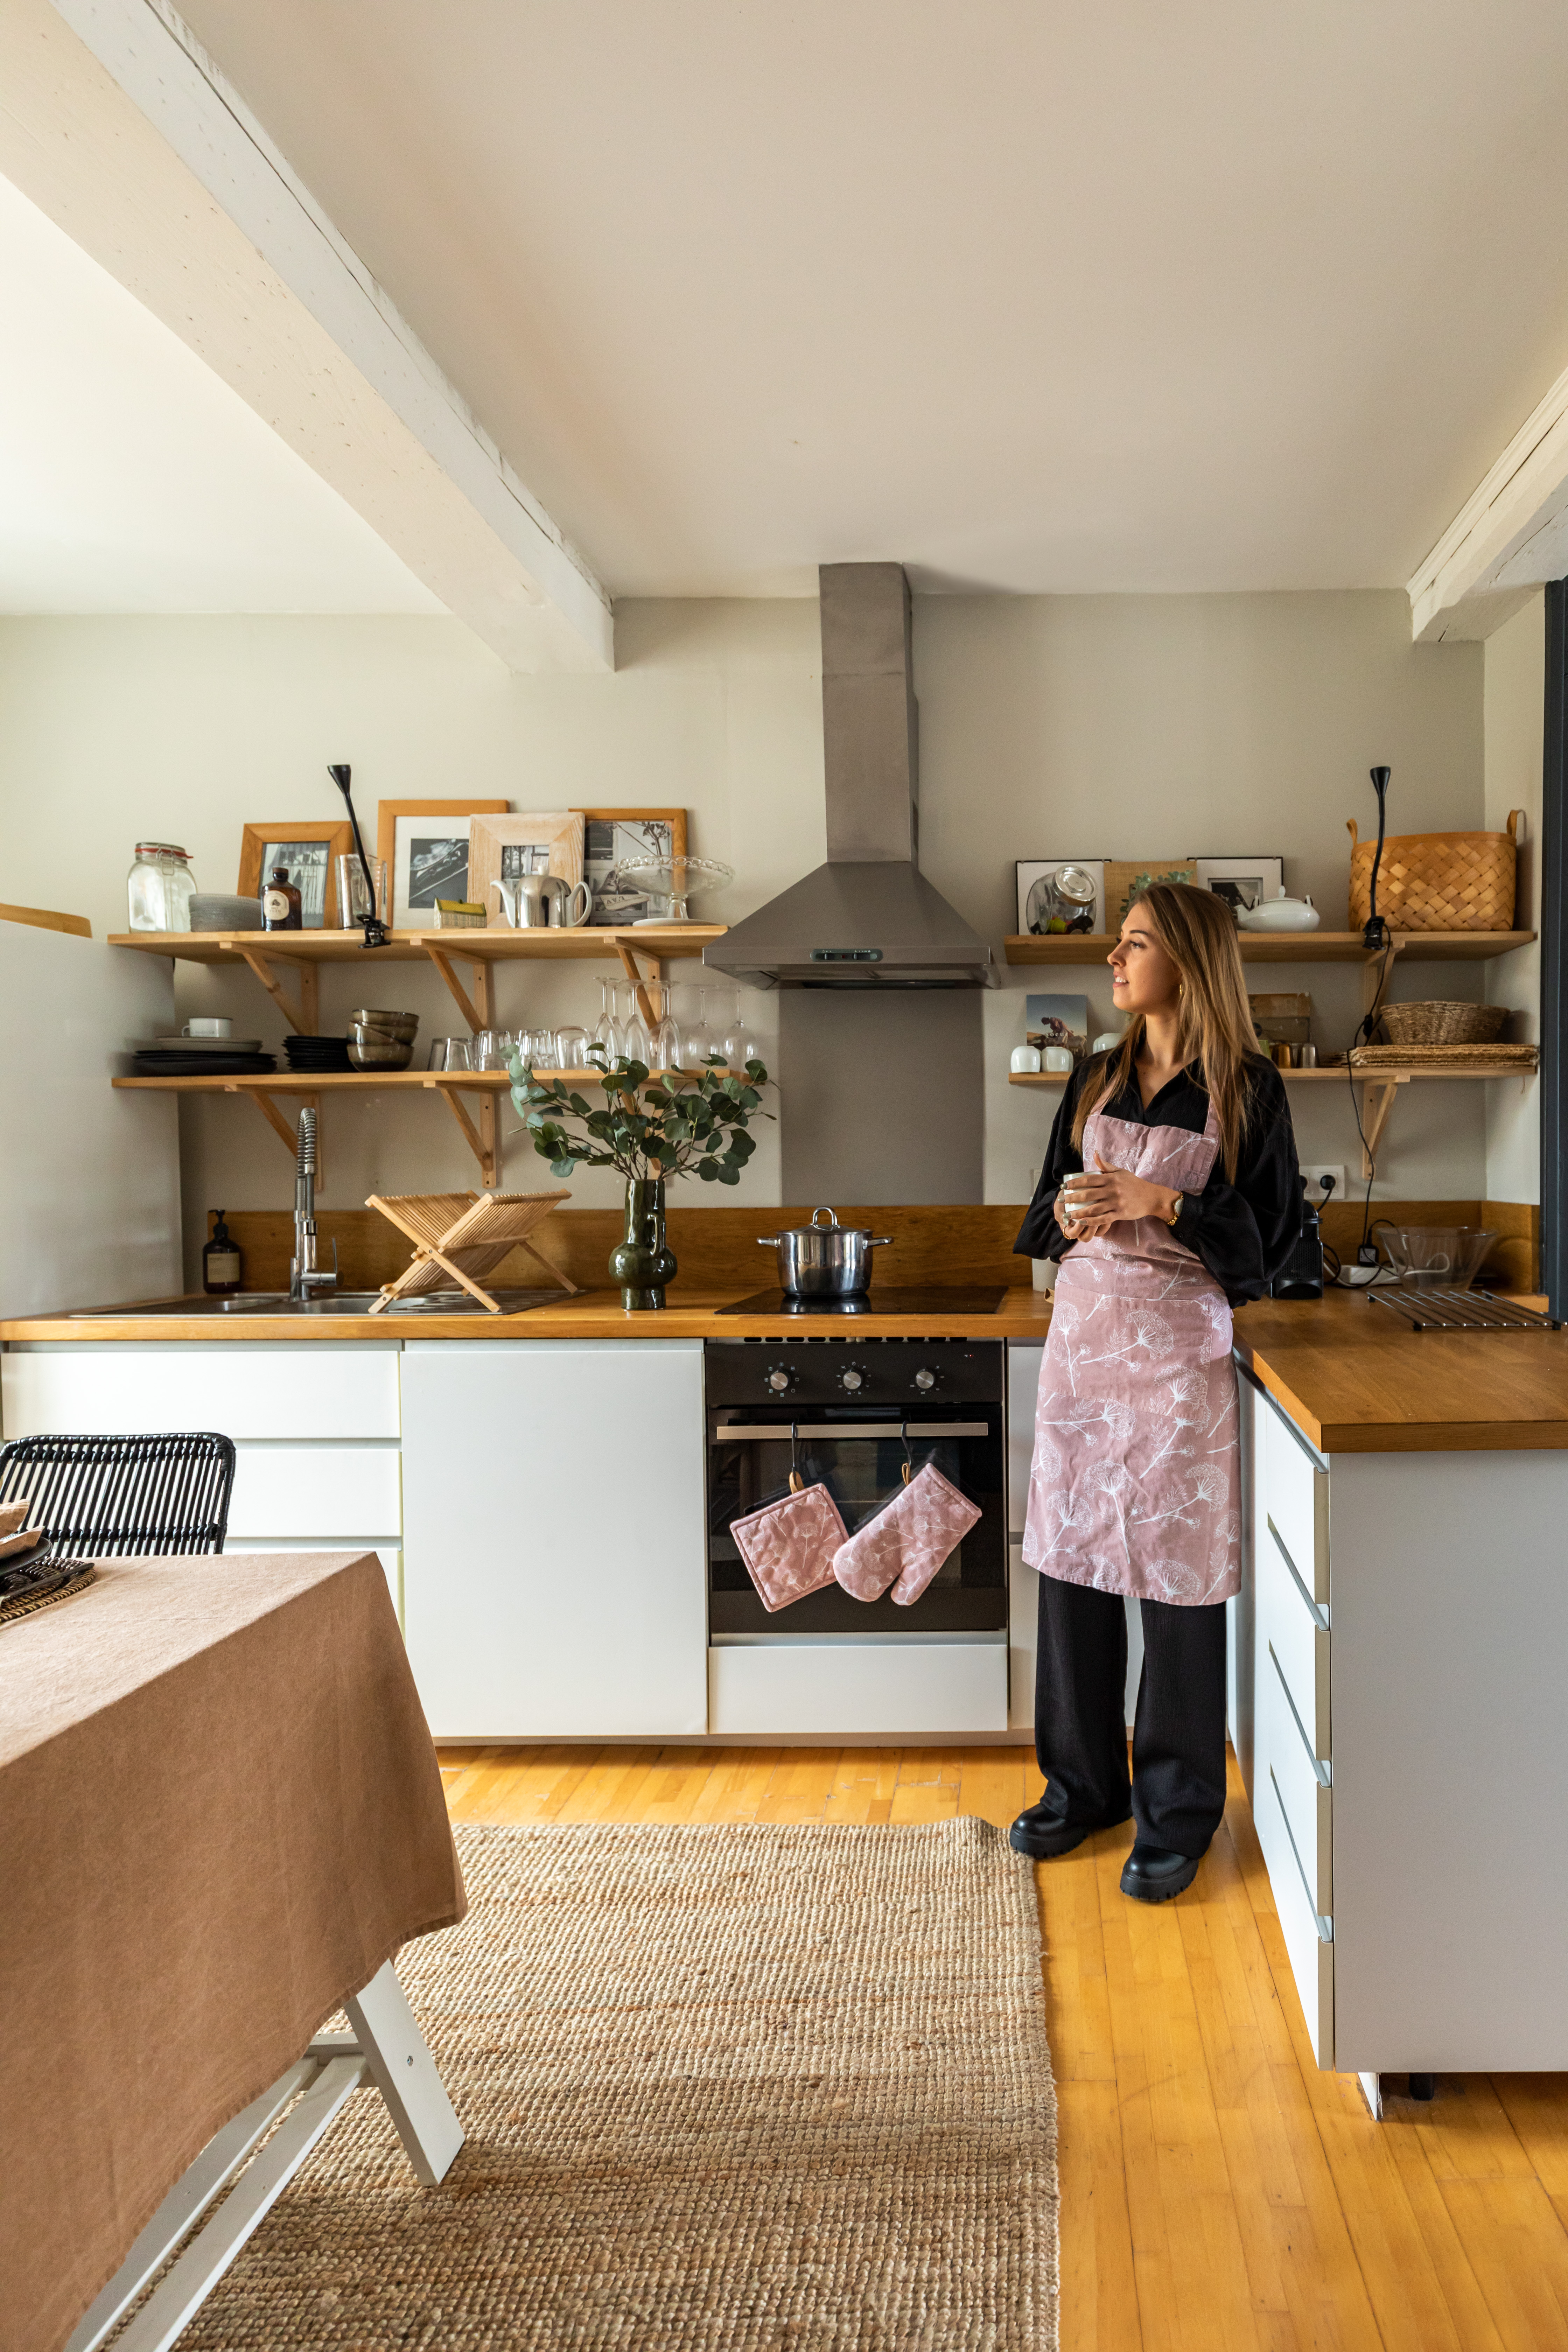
{"x": 1025, "y": 1059}
{"x": 1058, "y": 1059}
{"x": 1106, "y": 1042}
{"x": 209, "y": 1027}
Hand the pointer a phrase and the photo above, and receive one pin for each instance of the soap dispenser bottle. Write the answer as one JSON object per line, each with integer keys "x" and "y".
{"x": 222, "y": 1266}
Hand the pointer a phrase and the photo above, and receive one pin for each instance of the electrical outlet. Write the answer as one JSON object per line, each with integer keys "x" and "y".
{"x": 1315, "y": 1175}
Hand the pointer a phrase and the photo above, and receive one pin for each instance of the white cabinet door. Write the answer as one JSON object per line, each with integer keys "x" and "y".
{"x": 553, "y": 1561}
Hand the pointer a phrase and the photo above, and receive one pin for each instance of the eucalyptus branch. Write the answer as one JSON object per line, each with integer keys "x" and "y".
{"x": 691, "y": 1121}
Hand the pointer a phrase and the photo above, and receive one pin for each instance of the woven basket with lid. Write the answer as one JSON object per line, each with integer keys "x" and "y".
{"x": 1435, "y": 1022}
{"x": 1438, "y": 881}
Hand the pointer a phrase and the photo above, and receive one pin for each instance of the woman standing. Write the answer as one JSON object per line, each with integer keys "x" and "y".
{"x": 1169, "y": 1194}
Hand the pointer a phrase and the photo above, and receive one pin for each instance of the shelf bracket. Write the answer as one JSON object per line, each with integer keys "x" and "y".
{"x": 655, "y": 973}
{"x": 480, "y": 1139}
{"x": 1378, "y": 1101}
{"x": 307, "y": 1021}
{"x": 475, "y": 1009}
{"x": 1376, "y": 972}
{"x": 287, "y": 1135}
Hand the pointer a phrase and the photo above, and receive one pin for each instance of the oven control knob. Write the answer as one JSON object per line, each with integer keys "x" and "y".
{"x": 925, "y": 1377}
{"x": 852, "y": 1379}
{"x": 779, "y": 1379}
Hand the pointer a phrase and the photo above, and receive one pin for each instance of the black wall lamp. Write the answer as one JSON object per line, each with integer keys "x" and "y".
{"x": 1375, "y": 934}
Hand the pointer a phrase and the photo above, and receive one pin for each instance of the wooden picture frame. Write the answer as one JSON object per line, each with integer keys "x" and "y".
{"x": 263, "y": 847}
{"x": 610, "y": 833}
{"x": 557, "y": 833}
{"x": 397, "y": 834}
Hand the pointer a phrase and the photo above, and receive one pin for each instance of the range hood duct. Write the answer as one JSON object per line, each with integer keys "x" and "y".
{"x": 867, "y": 920}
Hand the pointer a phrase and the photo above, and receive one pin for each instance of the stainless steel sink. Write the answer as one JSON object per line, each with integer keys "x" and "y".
{"x": 331, "y": 1302}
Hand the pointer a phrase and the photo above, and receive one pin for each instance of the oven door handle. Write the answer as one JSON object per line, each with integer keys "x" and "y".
{"x": 916, "y": 1431}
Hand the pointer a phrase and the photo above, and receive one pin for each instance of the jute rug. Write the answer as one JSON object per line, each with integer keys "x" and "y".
{"x": 726, "y": 2089}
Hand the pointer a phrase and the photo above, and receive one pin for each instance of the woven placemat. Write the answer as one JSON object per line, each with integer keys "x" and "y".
{"x": 27, "y": 1604}
{"x": 1444, "y": 1057}
{"x": 726, "y": 2088}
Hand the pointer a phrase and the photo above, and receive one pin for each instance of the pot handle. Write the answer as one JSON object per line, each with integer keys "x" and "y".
{"x": 769, "y": 1241}
{"x": 879, "y": 1240}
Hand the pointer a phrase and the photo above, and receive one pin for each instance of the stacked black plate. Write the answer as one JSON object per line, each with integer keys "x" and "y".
{"x": 204, "y": 1058}
{"x": 318, "y": 1055}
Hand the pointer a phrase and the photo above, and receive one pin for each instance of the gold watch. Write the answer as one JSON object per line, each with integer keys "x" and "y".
{"x": 1175, "y": 1208}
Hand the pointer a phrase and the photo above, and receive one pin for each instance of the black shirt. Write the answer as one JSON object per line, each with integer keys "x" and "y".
{"x": 1241, "y": 1231}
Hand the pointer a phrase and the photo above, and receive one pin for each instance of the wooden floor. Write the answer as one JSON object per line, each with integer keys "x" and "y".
{"x": 1218, "y": 2190}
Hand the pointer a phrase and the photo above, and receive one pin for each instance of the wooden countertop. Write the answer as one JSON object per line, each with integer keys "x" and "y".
{"x": 1354, "y": 1379}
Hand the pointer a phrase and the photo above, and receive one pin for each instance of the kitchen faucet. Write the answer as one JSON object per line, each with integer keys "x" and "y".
{"x": 305, "y": 1277}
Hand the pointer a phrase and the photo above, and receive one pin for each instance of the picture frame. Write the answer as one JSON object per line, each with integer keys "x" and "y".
{"x": 502, "y": 846}
{"x": 306, "y": 847}
{"x": 1030, "y": 871}
{"x": 613, "y": 833}
{"x": 1125, "y": 875}
{"x": 1053, "y": 1020}
{"x": 424, "y": 844}
{"x": 1241, "y": 881}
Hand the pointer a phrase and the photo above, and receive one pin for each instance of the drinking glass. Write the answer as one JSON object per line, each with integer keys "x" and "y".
{"x": 572, "y": 1049}
{"x": 689, "y": 1005}
{"x": 606, "y": 1029}
{"x": 492, "y": 1049}
{"x": 737, "y": 1042}
{"x": 353, "y": 898}
{"x": 635, "y": 1042}
{"x": 449, "y": 1053}
{"x": 536, "y": 1049}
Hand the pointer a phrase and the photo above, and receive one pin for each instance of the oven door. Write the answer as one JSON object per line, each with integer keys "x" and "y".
{"x": 858, "y": 1454}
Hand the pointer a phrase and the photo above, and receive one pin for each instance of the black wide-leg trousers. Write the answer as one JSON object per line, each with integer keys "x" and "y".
{"x": 1177, "y": 1794}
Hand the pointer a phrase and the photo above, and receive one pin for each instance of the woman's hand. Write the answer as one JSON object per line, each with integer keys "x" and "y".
{"x": 1108, "y": 1197}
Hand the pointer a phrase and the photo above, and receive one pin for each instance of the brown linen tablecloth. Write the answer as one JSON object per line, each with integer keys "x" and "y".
{"x": 220, "y": 1812}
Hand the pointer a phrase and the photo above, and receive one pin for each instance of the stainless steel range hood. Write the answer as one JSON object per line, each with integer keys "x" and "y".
{"x": 869, "y": 919}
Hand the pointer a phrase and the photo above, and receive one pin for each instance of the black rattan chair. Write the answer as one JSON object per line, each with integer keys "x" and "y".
{"x": 98, "y": 1496}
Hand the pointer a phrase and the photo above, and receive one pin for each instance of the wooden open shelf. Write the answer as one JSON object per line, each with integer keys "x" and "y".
{"x": 1287, "y": 947}
{"x": 1379, "y": 1090}
{"x": 584, "y": 944}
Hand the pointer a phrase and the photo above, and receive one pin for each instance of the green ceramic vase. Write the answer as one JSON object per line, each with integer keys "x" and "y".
{"x": 643, "y": 1264}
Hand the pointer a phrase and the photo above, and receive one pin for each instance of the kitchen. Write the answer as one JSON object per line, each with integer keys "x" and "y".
{"x": 537, "y": 1489}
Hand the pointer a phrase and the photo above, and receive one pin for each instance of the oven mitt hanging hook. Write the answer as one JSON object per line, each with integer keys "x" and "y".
{"x": 796, "y": 1483}
{"x": 909, "y": 1459}
{"x": 789, "y": 1546}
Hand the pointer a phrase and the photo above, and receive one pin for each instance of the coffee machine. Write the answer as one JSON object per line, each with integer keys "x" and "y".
{"x": 1301, "y": 1275}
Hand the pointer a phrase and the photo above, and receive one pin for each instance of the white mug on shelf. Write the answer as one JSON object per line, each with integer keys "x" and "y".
{"x": 1057, "y": 1059}
{"x": 1025, "y": 1059}
{"x": 1106, "y": 1042}
{"x": 208, "y": 1025}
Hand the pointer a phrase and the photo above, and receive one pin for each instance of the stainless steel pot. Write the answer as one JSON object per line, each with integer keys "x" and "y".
{"x": 831, "y": 1261}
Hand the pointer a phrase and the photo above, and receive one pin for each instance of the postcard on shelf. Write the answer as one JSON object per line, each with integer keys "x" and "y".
{"x": 1241, "y": 882}
{"x": 1043, "y": 907}
{"x": 1058, "y": 1021}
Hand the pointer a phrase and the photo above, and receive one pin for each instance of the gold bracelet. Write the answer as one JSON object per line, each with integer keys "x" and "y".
{"x": 1175, "y": 1208}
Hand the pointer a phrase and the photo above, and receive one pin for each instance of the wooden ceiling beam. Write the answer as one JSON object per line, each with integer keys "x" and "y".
{"x": 1509, "y": 538}
{"x": 118, "y": 127}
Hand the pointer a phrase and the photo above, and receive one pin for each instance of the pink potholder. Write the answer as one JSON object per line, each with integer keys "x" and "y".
{"x": 789, "y": 1546}
{"x": 905, "y": 1545}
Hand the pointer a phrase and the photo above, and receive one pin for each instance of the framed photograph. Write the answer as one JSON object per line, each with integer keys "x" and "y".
{"x": 1038, "y": 904}
{"x": 1058, "y": 1021}
{"x": 502, "y": 847}
{"x": 307, "y": 850}
{"x": 1125, "y": 877}
{"x": 614, "y": 834}
{"x": 426, "y": 846}
{"x": 1241, "y": 881}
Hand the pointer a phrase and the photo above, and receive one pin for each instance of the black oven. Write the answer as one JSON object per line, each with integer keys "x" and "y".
{"x": 851, "y": 1412}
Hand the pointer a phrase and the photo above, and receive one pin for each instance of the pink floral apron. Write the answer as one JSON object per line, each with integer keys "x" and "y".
{"x": 1136, "y": 1482}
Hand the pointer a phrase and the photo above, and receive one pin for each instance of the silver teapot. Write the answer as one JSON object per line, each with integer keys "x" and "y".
{"x": 543, "y": 902}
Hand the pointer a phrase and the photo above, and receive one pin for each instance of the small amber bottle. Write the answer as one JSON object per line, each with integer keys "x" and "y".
{"x": 281, "y": 904}
{"x": 223, "y": 1268}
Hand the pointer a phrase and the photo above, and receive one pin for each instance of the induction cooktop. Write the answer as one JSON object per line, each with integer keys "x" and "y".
{"x": 971, "y": 1300}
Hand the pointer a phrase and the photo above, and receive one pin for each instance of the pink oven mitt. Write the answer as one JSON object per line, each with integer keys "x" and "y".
{"x": 906, "y": 1543}
{"x": 789, "y": 1546}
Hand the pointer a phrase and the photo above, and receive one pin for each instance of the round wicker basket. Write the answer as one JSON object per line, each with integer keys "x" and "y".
{"x": 1438, "y": 881}
{"x": 1437, "y": 1023}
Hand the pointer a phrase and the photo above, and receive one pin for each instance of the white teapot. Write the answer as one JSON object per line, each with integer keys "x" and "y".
{"x": 1279, "y": 914}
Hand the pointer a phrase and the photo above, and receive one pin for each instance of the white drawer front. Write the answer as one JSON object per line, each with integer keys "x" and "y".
{"x": 903, "y": 1690}
{"x": 315, "y": 1493}
{"x": 1023, "y": 1388}
{"x": 1307, "y": 1800}
{"x": 261, "y": 1391}
{"x": 1295, "y": 1494}
{"x": 1296, "y": 1628}
{"x": 1311, "y": 1953}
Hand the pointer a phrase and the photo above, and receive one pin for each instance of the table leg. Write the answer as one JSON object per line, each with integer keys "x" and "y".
{"x": 405, "y": 2073}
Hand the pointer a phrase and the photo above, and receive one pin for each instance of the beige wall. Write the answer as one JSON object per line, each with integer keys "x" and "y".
{"x": 1161, "y": 725}
{"x": 1514, "y": 714}
{"x": 1089, "y": 725}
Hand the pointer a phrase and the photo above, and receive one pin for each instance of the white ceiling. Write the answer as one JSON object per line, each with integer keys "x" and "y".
{"x": 1152, "y": 294}
{"x": 133, "y": 480}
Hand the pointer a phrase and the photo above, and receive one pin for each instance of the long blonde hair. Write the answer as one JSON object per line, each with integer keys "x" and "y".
{"x": 1214, "y": 1029}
